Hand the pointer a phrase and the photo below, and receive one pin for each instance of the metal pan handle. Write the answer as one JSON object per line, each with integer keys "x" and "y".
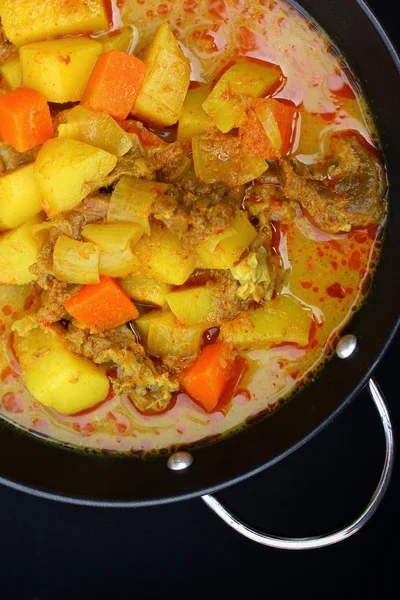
{"x": 319, "y": 541}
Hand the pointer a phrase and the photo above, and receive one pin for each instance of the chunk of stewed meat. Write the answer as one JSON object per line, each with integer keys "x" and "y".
{"x": 346, "y": 190}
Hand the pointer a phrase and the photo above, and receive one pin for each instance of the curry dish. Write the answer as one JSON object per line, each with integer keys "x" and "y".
{"x": 191, "y": 203}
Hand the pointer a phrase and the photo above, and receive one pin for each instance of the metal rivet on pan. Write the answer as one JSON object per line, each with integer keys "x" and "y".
{"x": 179, "y": 461}
{"x": 346, "y": 346}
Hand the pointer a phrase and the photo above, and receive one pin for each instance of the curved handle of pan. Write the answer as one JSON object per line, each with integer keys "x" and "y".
{"x": 319, "y": 541}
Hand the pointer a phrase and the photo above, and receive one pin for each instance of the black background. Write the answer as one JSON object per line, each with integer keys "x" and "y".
{"x": 52, "y": 550}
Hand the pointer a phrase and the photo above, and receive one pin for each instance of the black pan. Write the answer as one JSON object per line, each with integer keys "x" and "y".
{"x": 49, "y": 470}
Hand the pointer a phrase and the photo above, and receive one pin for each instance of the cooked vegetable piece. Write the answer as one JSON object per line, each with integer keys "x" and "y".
{"x": 114, "y": 83}
{"x": 75, "y": 262}
{"x": 221, "y": 251}
{"x": 161, "y": 98}
{"x": 25, "y": 119}
{"x": 194, "y": 120}
{"x": 11, "y": 73}
{"x": 59, "y": 69}
{"x": 206, "y": 380}
{"x": 97, "y": 129}
{"x": 27, "y": 21}
{"x": 146, "y": 137}
{"x": 217, "y": 157}
{"x": 19, "y": 197}
{"x": 113, "y": 237}
{"x": 132, "y": 201}
{"x": 267, "y": 130}
{"x": 102, "y": 306}
{"x": 260, "y": 133}
{"x": 162, "y": 256}
{"x": 168, "y": 337}
{"x": 245, "y": 78}
{"x": 55, "y": 376}
{"x": 142, "y": 323}
{"x": 118, "y": 264}
{"x": 66, "y": 169}
{"x": 285, "y": 117}
{"x": 312, "y": 140}
{"x": 146, "y": 289}
{"x": 163, "y": 39}
{"x": 123, "y": 40}
{"x": 281, "y": 320}
{"x": 167, "y": 80}
{"x": 18, "y": 251}
{"x": 194, "y": 305}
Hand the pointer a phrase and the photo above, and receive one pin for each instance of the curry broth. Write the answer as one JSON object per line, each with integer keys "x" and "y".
{"x": 327, "y": 272}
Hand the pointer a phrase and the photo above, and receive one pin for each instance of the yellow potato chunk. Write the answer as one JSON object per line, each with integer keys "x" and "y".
{"x": 113, "y": 237}
{"x": 18, "y": 251}
{"x": 194, "y": 305}
{"x": 123, "y": 40}
{"x": 26, "y": 21}
{"x": 76, "y": 262}
{"x": 59, "y": 69}
{"x": 55, "y": 376}
{"x": 164, "y": 89}
{"x": 168, "y": 337}
{"x": 163, "y": 39}
{"x": 66, "y": 169}
{"x": 97, "y": 129}
{"x": 118, "y": 264}
{"x": 11, "y": 73}
{"x": 142, "y": 323}
{"x": 146, "y": 289}
{"x": 244, "y": 78}
{"x": 19, "y": 197}
{"x": 282, "y": 320}
{"x": 218, "y": 157}
{"x": 132, "y": 201}
{"x": 221, "y": 251}
{"x": 162, "y": 256}
{"x": 269, "y": 123}
{"x": 167, "y": 80}
{"x": 194, "y": 120}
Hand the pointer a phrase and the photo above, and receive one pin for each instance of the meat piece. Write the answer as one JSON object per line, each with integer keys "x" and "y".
{"x": 346, "y": 191}
{"x": 47, "y": 307}
{"x": 92, "y": 209}
{"x": 138, "y": 376}
{"x": 7, "y": 50}
{"x": 269, "y": 202}
{"x": 133, "y": 163}
{"x": 254, "y": 275}
{"x": 10, "y": 159}
{"x": 170, "y": 162}
{"x": 43, "y": 268}
{"x": 52, "y": 302}
{"x": 202, "y": 210}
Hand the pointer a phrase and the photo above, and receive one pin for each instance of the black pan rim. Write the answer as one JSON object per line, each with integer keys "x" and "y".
{"x": 86, "y": 501}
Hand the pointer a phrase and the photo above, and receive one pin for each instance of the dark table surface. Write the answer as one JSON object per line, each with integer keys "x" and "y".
{"x": 52, "y": 550}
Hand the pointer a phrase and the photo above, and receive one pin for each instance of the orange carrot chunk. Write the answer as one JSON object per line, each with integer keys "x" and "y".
{"x": 114, "y": 83}
{"x": 268, "y": 129}
{"x": 102, "y": 305}
{"x": 284, "y": 114}
{"x": 25, "y": 119}
{"x": 207, "y": 378}
{"x": 146, "y": 137}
